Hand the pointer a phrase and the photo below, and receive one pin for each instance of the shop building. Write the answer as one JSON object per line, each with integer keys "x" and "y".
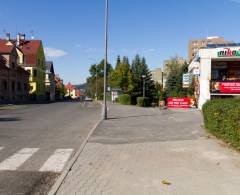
{"x": 217, "y": 72}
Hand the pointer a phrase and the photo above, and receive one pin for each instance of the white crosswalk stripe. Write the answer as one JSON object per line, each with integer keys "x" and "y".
{"x": 17, "y": 159}
{"x": 56, "y": 162}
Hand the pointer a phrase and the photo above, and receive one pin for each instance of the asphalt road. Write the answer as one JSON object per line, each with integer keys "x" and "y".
{"x": 37, "y": 141}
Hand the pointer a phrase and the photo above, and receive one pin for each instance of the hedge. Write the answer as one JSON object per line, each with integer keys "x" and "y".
{"x": 222, "y": 118}
{"x": 143, "y": 102}
{"x": 125, "y": 99}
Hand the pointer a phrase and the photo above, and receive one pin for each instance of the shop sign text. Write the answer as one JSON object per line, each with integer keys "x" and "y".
{"x": 228, "y": 52}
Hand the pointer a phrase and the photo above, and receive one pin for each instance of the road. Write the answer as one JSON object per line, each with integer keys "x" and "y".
{"x": 37, "y": 141}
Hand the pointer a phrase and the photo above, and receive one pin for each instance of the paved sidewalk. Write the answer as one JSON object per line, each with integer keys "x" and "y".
{"x": 138, "y": 148}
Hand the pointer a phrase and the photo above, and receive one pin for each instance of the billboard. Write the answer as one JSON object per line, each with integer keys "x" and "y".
{"x": 225, "y": 87}
{"x": 179, "y": 102}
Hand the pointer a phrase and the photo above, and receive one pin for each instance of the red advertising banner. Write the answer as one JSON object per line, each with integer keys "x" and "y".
{"x": 179, "y": 102}
{"x": 230, "y": 87}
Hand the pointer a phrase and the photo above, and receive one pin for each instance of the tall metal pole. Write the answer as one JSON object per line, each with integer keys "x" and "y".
{"x": 105, "y": 63}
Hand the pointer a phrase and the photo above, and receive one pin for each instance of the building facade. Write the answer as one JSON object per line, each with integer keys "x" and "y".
{"x": 72, "y": 92}
{"x": 14, "y": 84}
{"x": 50, "y": 81}
{"x": 32, "y": 58}
{"x": 172, "y": 63}
{"x": 217, "y": 72}
{"x": 157, "y": 75}
{"x": 196, "y": 44}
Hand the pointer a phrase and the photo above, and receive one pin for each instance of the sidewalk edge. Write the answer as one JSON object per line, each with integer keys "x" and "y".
{"x": 54, "y": 189}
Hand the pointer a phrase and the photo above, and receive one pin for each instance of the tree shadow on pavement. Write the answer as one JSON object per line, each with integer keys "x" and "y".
{"x": 9, "y": 119}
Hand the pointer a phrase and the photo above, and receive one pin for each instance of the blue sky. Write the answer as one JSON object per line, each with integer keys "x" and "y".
{"x": 73, "y": 30}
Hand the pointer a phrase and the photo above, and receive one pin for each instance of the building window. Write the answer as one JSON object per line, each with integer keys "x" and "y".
{"x": 35, "y": 73}
{"x": 195, "y": 43}
{"x": 19, "y": 86}
{"x": 13, "y": 65}
{"x": 25, "y": 86}
{"x": 13, "y": 86}
{"x": 5, "y": 85}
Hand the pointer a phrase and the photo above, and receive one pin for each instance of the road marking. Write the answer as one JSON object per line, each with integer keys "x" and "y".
{"x": 56, "y": 162}
{"x": 17, "y": 159}
{"x": 1, "y": 148}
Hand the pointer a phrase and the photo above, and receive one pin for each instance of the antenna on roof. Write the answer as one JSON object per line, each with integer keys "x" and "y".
{"x": 32, "y": 34}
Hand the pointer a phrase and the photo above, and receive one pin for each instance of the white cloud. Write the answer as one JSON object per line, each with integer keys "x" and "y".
{"x": 53, "y": 52}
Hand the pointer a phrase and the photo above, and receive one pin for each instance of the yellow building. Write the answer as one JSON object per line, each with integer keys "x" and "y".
{"x": 33, "y": 60}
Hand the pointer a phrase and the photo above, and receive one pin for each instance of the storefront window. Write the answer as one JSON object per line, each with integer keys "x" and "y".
{"x": 226, "y": 71}
{"x": 225, "y": 77}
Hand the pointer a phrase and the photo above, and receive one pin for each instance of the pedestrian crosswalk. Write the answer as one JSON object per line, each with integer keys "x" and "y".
{"x": 57, "y": 161}
{"x": 54, "y": 163}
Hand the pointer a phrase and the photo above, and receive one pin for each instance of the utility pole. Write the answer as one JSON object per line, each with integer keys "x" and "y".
{"x": 105, "y": 63}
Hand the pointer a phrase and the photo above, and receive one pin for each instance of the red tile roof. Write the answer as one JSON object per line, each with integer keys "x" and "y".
{"x": 5, "y": 49}
{"x": 69, "y": 86}
{"x": 28, "y": 47}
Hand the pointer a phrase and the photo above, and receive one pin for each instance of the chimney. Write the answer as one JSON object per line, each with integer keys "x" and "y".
{"x": 22, "y": 37}
{"x": 8, "y": 36}
{"x": 18, "y": 39}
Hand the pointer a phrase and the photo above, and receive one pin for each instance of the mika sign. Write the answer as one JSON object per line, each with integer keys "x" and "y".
{"x": 228, "y": 52}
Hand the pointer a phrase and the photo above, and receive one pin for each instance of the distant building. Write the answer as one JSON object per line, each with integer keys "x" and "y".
{"x": 50, "y": 81}
{"x": 71, "y": 91}
{"x": 196, "y": 44}
{"x": 157, "y": 75}
{"x": 14, "y": 84}
{"x": 168, "y": 64}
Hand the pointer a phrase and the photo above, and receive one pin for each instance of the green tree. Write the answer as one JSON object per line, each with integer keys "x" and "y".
{"x": 174, "y": 83}
{"x": 121, "y": 76}
{"x": 95, "y": 81}
{"x": 141, "y": 75}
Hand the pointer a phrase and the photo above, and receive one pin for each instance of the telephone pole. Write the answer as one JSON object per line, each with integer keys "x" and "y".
{"x": 105, "y": 63}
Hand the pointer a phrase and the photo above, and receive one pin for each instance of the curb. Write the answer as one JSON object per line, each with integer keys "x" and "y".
{"x": 54, "y": 189}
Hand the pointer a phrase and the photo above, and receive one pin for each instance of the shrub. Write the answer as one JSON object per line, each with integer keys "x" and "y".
{"x": 125, "y": 99}
{"x": 143, "y": 102}
{"x": 222, "y": 118}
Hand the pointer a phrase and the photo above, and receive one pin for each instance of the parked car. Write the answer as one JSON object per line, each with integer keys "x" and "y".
{"x": 88, "y": 98}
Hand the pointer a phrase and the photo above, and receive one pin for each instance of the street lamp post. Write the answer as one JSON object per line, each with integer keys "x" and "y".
{"x": 143, "y": 76}
{"x": 105, "y": 63}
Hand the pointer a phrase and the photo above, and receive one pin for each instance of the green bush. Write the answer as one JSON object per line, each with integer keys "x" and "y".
{"x": 143, "y": 102}
{"x": 222, "y": 118}
{"x": 125, "y": 99}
